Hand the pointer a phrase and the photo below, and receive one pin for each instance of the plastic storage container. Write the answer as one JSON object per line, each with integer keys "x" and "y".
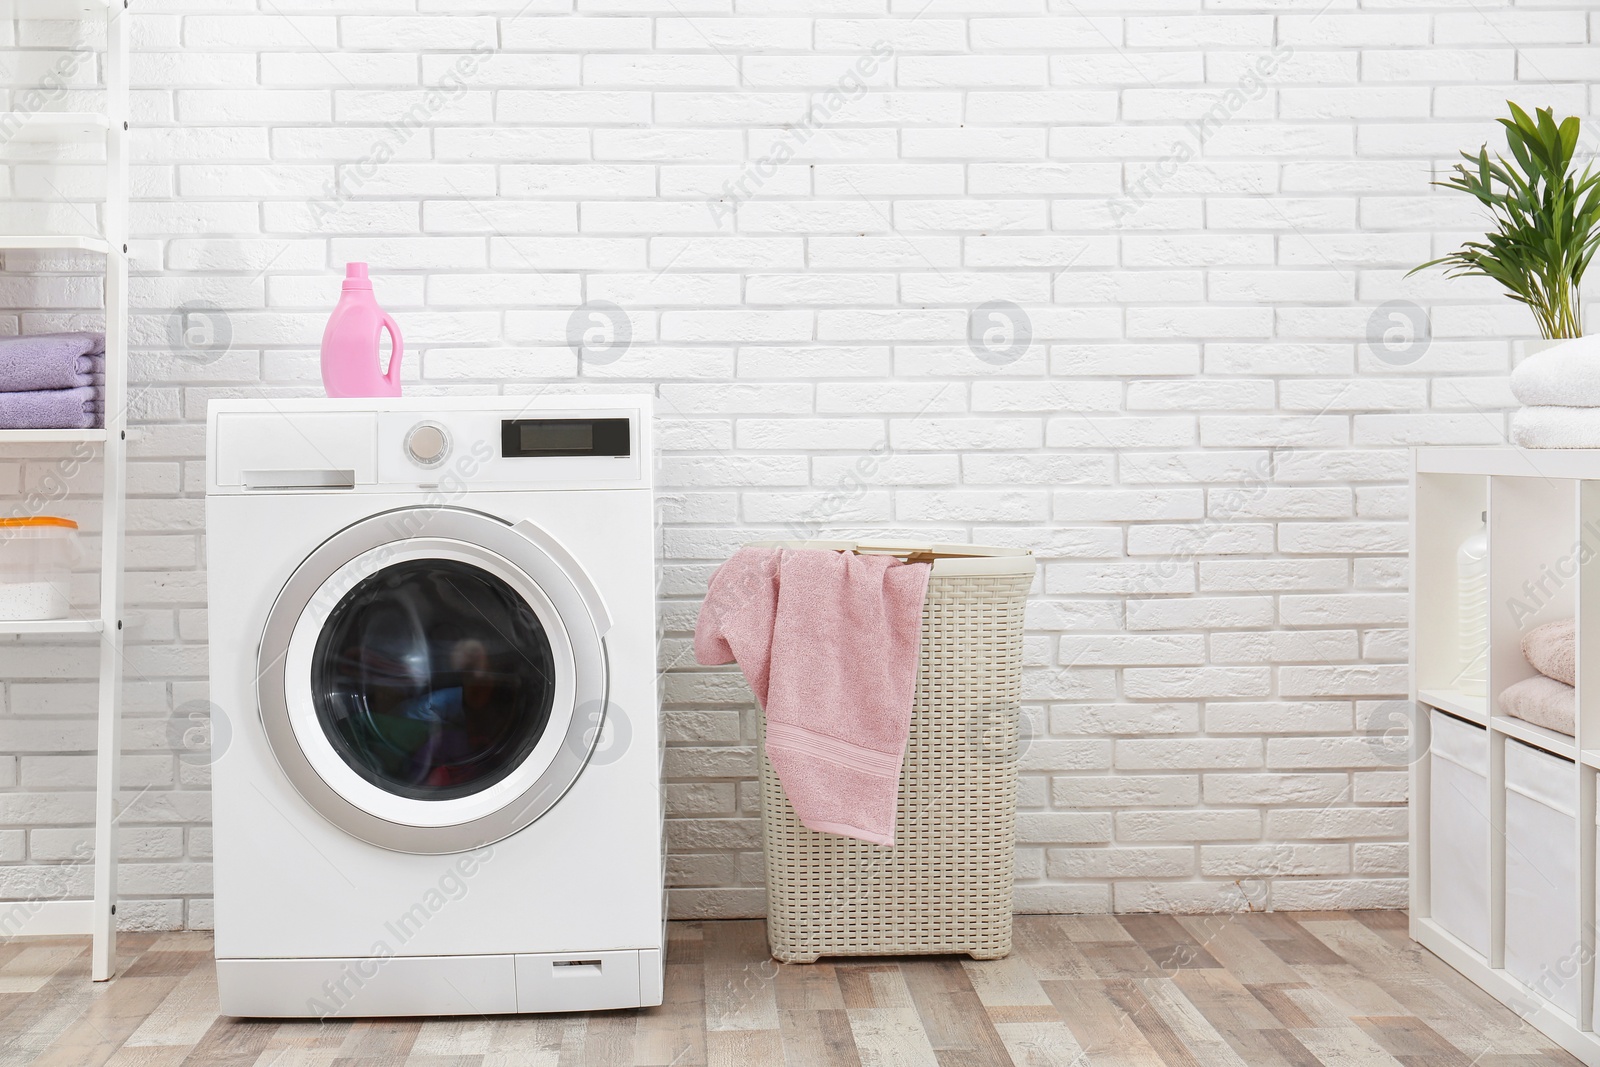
{"x": 1543, "y": 947}
{"x": 1458, "y": 829}
{"x": 36, "y": 558}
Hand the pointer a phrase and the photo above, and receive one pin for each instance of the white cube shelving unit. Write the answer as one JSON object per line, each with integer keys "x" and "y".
{"x": 1537, "y": 954}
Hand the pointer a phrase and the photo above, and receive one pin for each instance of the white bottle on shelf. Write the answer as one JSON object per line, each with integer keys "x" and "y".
{"x": 1472, "y": 611}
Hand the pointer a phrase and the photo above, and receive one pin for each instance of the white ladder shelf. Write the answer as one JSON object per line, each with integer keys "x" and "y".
{"x": 96, "y": 917}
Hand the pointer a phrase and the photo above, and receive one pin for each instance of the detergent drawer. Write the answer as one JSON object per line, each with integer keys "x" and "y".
{"x": 298, "y": 451}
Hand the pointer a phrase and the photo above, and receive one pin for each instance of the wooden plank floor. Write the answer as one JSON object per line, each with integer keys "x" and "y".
{"x": 1246, "y": 990}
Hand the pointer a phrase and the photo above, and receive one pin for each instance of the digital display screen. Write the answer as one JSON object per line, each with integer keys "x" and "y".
{"x": 565, "y": 437}
{"x": 556, "y": 436}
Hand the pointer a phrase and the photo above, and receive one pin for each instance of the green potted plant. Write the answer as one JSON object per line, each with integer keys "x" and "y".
{"x": 1546, "y": 219}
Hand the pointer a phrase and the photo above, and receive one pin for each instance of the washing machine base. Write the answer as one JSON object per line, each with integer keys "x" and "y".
{"x": 365, "y": 987}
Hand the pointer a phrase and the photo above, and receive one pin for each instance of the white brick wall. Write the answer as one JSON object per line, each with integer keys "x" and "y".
{"x": 798, "y": 205}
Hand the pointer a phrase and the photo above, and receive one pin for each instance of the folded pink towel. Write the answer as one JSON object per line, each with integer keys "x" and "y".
{"x": 1551, "y": 650}
{"x": 1543, "y": 702}
{"x": 828, "y": 642}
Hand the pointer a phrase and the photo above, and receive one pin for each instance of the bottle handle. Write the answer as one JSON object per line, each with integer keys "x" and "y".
{"x": 398, "y": 349}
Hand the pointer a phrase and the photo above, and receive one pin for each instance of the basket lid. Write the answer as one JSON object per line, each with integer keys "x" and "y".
{"x": 36, "y": 521}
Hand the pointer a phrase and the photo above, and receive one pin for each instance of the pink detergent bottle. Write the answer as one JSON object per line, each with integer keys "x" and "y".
{"x": 350, "y": 344}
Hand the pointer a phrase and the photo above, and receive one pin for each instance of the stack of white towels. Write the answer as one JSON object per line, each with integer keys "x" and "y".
{"x": 1561, "y": 388}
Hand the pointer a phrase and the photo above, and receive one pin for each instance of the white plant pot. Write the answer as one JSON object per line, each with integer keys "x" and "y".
{"x": 1521, "y": 350}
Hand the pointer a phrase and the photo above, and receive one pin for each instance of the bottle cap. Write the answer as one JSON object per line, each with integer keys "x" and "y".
{"x": 355, "y": 276}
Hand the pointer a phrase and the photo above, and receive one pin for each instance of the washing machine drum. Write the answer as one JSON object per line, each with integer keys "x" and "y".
{"x": 434, "y": 679}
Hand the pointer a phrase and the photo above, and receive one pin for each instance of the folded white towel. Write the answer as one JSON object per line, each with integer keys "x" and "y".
{"x": 1543, "y": 702}
{"x": 1567, "y": 375}
{"x": 1556, "y": 427}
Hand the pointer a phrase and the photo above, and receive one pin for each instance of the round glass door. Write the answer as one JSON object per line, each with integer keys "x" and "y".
{"x": 433, "y": 679}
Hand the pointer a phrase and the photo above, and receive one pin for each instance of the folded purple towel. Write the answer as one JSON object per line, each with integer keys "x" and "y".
{"x": 51, "y": 361}
{"x": 53, "y": 409}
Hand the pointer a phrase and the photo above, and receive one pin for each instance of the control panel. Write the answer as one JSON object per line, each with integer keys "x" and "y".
{"x": 510, "y": 449}
{"x": 440, "y": 445}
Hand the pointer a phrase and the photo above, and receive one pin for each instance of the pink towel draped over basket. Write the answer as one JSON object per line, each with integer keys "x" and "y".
{"x": 828, "y": 642}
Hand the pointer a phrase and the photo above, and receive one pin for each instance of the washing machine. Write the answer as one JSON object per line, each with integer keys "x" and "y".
{"x": 436, "y": 755}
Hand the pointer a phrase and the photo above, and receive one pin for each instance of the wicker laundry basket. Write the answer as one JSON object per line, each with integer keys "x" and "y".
{"x": 945, "y": 886}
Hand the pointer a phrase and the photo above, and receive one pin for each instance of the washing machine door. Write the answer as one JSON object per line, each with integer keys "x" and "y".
{"x": 433, "y": 679}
